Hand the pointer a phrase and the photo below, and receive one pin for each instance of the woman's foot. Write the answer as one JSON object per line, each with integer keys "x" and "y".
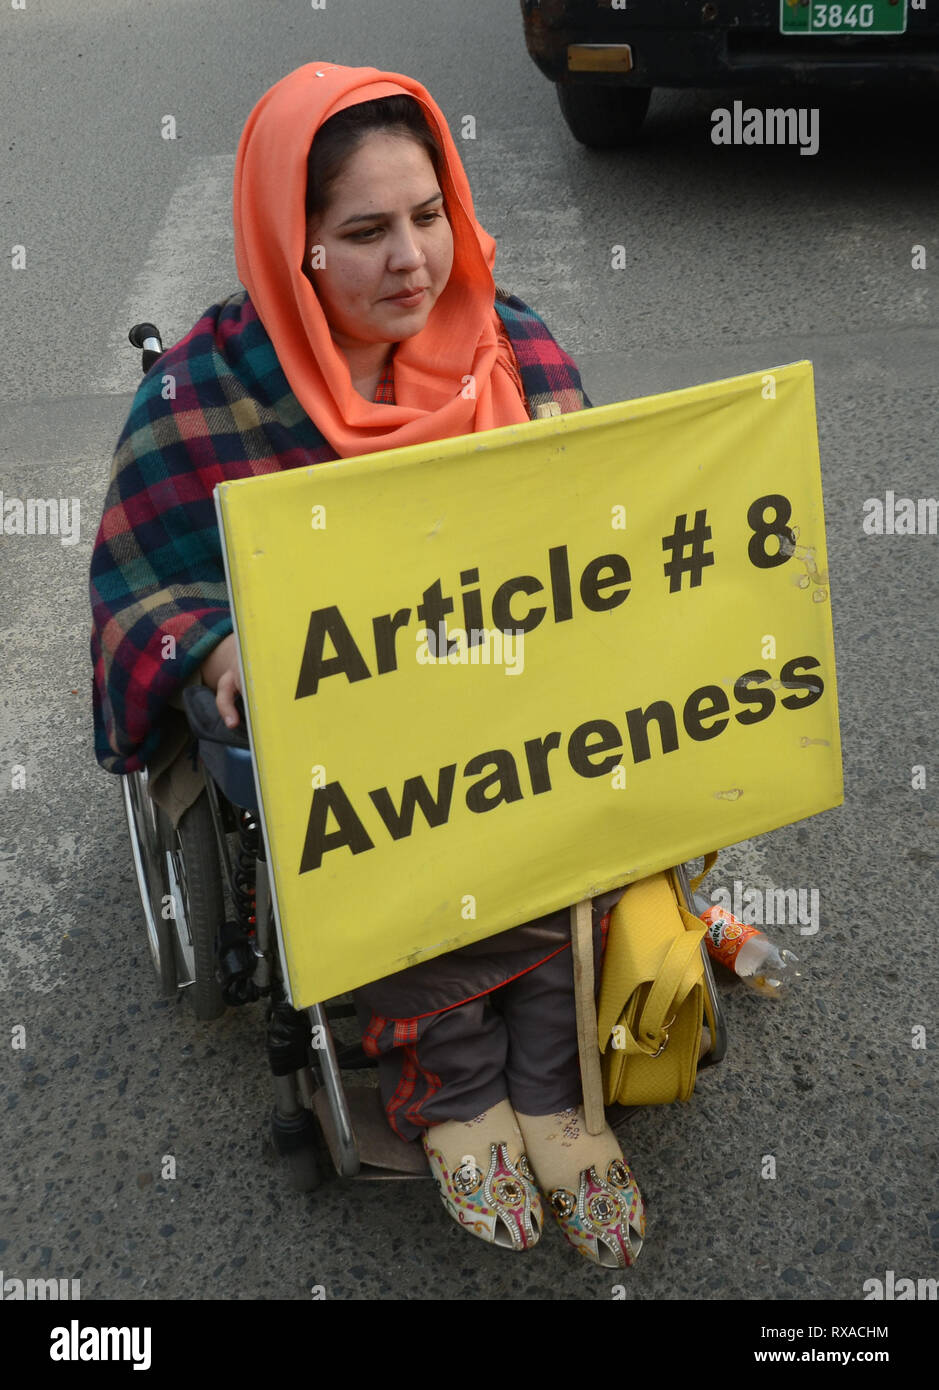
{"x": 589, "y": 1188}
{"x": 484, "y": 1179}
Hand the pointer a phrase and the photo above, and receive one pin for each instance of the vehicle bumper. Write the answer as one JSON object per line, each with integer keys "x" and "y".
{"x": 716, "y": 43}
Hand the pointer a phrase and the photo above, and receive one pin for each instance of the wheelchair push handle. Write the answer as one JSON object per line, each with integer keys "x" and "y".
{"x": 146, "y": 337}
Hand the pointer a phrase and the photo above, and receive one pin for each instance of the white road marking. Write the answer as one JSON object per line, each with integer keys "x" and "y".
{"x": 539, "y": 229}
{"x": 189, "y": 264}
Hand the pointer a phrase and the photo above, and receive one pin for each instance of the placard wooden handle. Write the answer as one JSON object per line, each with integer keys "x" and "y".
{"x": 587, "y": 1047}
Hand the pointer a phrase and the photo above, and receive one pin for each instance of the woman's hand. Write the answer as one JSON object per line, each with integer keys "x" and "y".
{"x": 220, "y": 673}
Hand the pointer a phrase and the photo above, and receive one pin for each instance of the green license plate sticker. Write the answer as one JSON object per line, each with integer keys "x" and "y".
{"x": 819, "y": 17}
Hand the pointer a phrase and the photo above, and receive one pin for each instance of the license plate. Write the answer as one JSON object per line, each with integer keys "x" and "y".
{"x": 819, "y": 17}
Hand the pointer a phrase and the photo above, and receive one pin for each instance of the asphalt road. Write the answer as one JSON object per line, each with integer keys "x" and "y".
{"x": 738, "y": 259}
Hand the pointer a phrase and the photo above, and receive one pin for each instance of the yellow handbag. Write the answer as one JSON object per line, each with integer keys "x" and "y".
{"x": 653, "y": 994}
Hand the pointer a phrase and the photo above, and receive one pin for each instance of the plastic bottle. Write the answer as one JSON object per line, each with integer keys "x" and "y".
{"x": 745, "y": 950}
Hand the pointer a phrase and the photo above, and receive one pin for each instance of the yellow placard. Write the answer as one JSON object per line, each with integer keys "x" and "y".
{"x": 672, "y": 690}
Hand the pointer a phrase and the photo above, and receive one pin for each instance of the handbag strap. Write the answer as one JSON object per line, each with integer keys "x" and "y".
{"x": 679, "y": 972}
{"x": 710, "y": 859}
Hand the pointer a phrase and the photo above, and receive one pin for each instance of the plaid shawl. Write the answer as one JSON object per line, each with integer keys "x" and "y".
{"x": 216, "y": 406}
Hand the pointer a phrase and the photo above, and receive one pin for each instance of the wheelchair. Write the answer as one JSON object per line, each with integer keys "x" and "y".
{"x": 205, "y": 892}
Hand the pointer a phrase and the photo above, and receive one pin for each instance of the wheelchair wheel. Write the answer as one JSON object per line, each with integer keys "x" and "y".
{"x": 180, "y": 886}
{"x": 195, "y": 883}
{"x": 150, "y": 869}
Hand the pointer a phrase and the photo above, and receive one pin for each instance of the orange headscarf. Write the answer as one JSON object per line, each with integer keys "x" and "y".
{"x": 461, "y": 334}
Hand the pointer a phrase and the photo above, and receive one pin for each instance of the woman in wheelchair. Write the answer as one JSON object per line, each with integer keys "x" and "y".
{"x": 368, "y": 305}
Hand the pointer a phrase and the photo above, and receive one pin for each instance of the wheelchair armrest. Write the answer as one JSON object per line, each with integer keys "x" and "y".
{"x": 206, "y": 722}
{"x": 225, "y": 753}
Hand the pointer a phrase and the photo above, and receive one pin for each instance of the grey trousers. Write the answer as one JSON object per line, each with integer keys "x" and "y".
{"x": 516, "y": 1041}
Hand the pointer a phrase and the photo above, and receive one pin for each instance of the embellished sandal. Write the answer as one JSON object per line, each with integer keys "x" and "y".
{"x": 502, "y": 1207}
{"x": 606, "y": 1219}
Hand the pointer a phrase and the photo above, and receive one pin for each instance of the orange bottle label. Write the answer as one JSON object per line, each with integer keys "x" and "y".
{"x": 725, "y": 934}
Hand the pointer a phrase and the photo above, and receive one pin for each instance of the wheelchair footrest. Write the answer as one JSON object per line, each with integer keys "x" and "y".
{"x": 383, "y": 1154}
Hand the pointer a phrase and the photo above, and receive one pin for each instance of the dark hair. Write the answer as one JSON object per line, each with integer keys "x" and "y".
{"x": 341, "y": 135}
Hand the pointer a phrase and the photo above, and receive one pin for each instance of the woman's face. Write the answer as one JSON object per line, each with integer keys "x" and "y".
{"x": 385, "y": 230}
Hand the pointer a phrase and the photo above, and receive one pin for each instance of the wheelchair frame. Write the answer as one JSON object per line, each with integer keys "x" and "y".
{"x": 205, "y": 892}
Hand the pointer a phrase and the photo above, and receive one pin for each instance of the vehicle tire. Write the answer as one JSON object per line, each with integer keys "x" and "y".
{"x": 303, "y": 1170}
{"x": 602, "y": 116}
{"x": 195, "y": 882}
{"x": 147, "y": 848}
